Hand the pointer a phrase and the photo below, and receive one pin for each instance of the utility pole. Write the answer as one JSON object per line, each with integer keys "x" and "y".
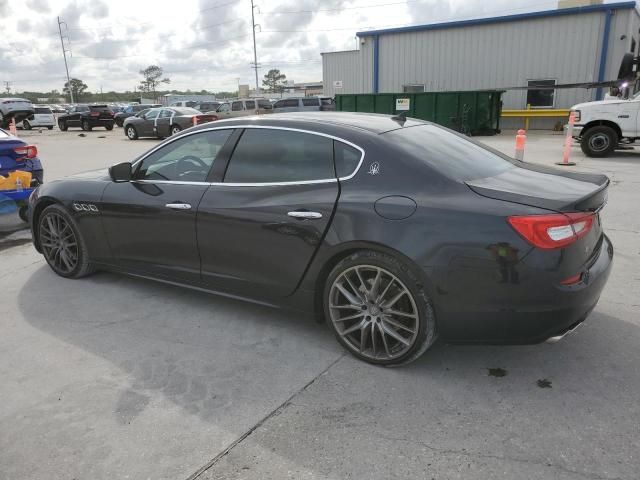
{"x": 7, "y": 86}
{"x": 255, "y": 51}
{"x": 64, "y": 54}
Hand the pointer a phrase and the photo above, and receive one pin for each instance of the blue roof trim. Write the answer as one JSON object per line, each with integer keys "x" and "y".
{"x": 507, "y": 18}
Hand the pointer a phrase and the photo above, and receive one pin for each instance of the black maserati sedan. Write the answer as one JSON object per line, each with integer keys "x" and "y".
{"x": 393, "y": 230}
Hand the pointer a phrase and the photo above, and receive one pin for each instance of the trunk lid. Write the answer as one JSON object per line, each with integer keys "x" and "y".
{"x": 545, "y": 187}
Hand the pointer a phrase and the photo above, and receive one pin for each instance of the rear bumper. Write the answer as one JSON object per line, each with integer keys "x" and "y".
{"x": 100, "y": 122}
{"x": 535, "y": 312}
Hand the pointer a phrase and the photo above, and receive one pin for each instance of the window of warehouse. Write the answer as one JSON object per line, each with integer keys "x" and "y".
{"x": 413, "y": 88}
{"x": 542, "y": 98}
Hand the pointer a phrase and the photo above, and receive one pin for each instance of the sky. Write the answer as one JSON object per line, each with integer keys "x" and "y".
{"x": 202, "y": 44}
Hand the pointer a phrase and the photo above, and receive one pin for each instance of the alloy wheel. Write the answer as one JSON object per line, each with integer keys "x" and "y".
{"x": 59, "y": 243}
{"x": 374, "y": 312}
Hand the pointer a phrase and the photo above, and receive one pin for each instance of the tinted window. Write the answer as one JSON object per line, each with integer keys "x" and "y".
{"x": 543, "y": 98}
{"x": 347, "y": 159}
{"x": 151, "y": 114}
{"x": 290, "y": 102}
{"x": 236, "y": 106}
{"x": 250, "y": 105}
{"x": 310, "y": 102}
{"x": 138, "y": 108}
{"x": 166, "y": 114}
{"x": 42, "y": 110}
{"x": 266, "y": 104}
{"x": 327, "y": 101}
{"x": 188, "y": 159}
{"x": 451, "y": 154}
{"x": 271, "y": 155}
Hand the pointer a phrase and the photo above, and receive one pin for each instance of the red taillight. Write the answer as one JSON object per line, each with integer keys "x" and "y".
{"x": 572, "y": 280}
{"x": 28, "y": 151}
{"x": 94, "y": 114}
{"x": 553, "y": 231}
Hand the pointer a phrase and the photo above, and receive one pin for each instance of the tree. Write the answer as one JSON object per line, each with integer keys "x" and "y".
{"x": 274, "y": 81}
{"x": 77, "y": 87}
{"x": 152, "y": 79}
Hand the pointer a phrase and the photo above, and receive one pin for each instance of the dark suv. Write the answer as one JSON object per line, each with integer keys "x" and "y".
{"x": 87, "y": 117}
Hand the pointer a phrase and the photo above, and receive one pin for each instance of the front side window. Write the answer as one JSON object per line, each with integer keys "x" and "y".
{"x": 151, "y": 114}
{"x": 274, "y": 156}
{"x": 236, "y": 106}
{"x": 225, "y": 107}
{"x": 543, "y": 97}
{"x": 166, "y": 114}
{"x": 188, "y": 159}
{"x": 310, "y": 102}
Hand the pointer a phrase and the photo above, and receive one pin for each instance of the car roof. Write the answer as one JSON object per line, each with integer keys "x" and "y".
{"x": 370, "y": 122}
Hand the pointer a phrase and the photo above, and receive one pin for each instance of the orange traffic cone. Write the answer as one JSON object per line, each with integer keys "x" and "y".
{"x": 12, "y": 128}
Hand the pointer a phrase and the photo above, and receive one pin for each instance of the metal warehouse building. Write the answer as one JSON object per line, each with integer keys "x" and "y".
{"x": 567, "y": 45}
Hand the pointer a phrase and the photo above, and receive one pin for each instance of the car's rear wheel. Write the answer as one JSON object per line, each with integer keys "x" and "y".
{"x": 62, "y": 245}
{"x": 131, "y": 132}
{"x": 599, "y": 141}
{"x": 109, "y": 127}
{"x": 50, "y": 127}
{"x": 175, "y": 129}
{"x": 26, "y": 125}
{"x": 62, "y": 125}
{"x": 378, "y": 309}
{"x": 86, "y": 126}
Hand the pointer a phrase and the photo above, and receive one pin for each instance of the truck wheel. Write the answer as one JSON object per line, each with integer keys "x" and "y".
{"x": 599, "y": 141}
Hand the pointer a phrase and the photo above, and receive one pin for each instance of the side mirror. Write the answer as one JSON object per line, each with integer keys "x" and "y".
{"x": 120, "y": 172}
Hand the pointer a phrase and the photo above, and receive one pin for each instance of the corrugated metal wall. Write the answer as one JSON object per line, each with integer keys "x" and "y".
{"x": 564, "y": 48}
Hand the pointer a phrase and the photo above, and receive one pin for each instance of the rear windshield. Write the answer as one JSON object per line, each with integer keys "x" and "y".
{"x": 449, "y": 153}
{"x": 187, "y": 111}
{"x": 98, "y": 107}
{"x": 42, "y": 110}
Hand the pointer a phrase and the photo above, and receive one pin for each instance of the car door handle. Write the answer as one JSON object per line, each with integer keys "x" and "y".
{"x": 305, "y": 215}
{"x": 178, "y": 206}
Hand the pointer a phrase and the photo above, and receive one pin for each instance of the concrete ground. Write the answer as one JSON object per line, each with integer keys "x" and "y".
{"x": 118, "y": 378}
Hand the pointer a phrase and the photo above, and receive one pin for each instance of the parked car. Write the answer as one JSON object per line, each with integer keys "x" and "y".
{"x": 42, "y": 117}
{"x": 14, "y": 108}
{"x": 130, "y": 111}
{"x": 306, "y": 104}
{"x": 243, "y": 108}
{"x": 184, "y": 103}
{"x": 163, "y": 122}
{"x": 389, "y": 226}
{"x": 87, "y": 117}
{"x": 207, "y": 106}
{"x": 58, "y": 109}
{"x": 16, "y": 154}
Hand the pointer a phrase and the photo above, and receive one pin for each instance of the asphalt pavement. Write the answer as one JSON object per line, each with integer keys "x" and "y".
{"x": 112, "y": 377}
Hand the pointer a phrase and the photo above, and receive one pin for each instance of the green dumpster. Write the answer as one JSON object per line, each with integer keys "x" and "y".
{"x": 468, "y": 112}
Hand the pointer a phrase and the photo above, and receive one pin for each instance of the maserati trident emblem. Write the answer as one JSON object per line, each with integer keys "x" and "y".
{"x": 374, "y": 168}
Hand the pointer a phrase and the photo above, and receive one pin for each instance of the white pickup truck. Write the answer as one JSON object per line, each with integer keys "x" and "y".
{"x": 602, "y": 126}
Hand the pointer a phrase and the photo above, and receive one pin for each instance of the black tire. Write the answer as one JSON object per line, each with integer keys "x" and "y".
{"x": 50, "y": 127}
{"x": 26, "y": 125}
{"x": 23, "y": 213}
{"x": 131, "y": 132}
{"x": 599, "y": 141}
{"x": 174, "y": 129}
{"x": 109, "y": 127}
{"x": 119, "y": 123}
{"x": 83, "y": 266}
{"x": 86, "y": 126}
{"x": 62, "y": 125}
{"x": 424, "y": 332}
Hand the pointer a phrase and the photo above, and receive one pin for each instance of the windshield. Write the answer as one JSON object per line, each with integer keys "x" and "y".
{"x": 449, "y": 153}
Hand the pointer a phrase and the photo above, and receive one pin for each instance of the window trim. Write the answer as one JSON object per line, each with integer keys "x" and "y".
{"x": 265, "y": 184}
{"x": 555, "y": 82}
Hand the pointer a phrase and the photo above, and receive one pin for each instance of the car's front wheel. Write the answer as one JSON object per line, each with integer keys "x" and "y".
{"x": 131, "y": 132}
{"x": 378, "y": 309}
{"x": 26, "y": 125}
{"x": 62, "y": 125}
{"x": 599, "y": 141}
{"x": 86, "y": 126}
{"x": 62, "y": 245}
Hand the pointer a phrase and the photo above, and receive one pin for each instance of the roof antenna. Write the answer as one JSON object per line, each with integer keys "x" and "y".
{"x": 400, "y": 118}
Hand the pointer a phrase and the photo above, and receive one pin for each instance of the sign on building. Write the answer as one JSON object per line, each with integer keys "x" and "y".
{"x": 403, "y": 104}
{"x": 337, "y": 84}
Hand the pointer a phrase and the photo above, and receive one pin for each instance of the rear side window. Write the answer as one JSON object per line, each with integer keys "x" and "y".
{"x": 271, "y": 155}
{"x": 250, "y": 105}
{"x": 310, "y": 102}
{"x": 347, "y": 159}
{"x": 266, "y": 104}
{"x": 453, "y": 155}
{"x": 42, "y": 110}
{"x": 236, "y": 106}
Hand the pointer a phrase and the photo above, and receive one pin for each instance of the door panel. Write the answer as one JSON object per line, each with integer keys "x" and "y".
{"x": 147, "y": 236}
{"x": 248, "y": 242}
